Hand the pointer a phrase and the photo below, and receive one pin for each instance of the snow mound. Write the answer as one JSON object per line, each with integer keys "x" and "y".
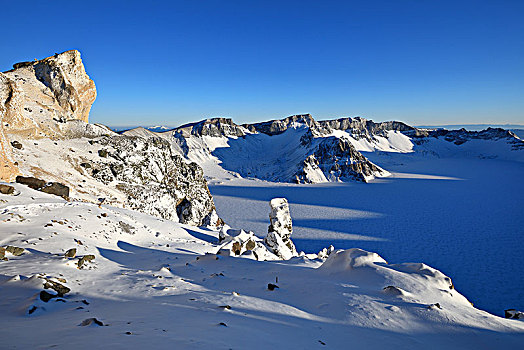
{"x": 346, "y": 260}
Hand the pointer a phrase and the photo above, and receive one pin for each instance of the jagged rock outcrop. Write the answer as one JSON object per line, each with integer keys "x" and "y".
{"x": 461, "y": 136}
{"x": 360, "y": 127}
{"x": 62, "y": 79}
{"x": 338, "y": 160}
{"x": 154, "y": 179}
{"x": 276, "y": 245}
{"x": 215, "y": 127}
{"x": 37, "y": 99}
{"x": 277, "y": 127}
{"x": 278, "y": 238}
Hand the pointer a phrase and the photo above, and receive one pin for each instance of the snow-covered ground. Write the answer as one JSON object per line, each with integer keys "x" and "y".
{"x": 461, "y": 215}
{"x": 151, "y": 286}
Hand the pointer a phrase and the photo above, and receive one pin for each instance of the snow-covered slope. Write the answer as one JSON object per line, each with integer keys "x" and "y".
{"x": 134, "y": 172}
{"x": 300, "y": 149}
{"x": 160, "y": 284}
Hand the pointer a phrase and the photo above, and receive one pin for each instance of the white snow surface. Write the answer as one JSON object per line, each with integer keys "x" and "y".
{"x": 159, "y": 284}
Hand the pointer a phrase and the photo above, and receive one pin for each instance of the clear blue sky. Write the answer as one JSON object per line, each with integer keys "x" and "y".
{"x": 420, "y": 61}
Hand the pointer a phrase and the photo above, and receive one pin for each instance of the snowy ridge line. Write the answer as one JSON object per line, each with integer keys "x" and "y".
{"x": 302, "y": 150}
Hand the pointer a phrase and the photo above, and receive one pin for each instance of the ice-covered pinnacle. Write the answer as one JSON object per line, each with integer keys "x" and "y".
{"x": 280, "y": 229}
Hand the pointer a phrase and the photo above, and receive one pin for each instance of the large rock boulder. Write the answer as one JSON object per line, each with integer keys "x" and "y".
{"x": 58, "y": 84}
{"x": 38, "y": 98}
{"x": 278, "y": 238}
{"x": 55, "y": 188}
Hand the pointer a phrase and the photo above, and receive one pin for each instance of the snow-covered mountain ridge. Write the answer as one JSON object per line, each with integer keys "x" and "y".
{"x": 302, "y": 150}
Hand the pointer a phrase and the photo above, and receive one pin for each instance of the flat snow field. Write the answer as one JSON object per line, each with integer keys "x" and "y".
{"x": 462, "y": 216}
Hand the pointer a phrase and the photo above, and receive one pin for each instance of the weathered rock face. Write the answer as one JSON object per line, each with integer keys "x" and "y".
{"x": 155, "y": 180}
{"x": 276, "y": 127}
{"x": 38, "y": 98}
{"x": 361, "y": 127}
{"x": 338, "y": 159}
{"x": 278, "y": 238}
{"x": 50, "y": 99}
{"x": 64, "y": 75}
{"x": 6, "y": 189}
{"x": 55, "y": 188}
{"x": 215, "y": 127}
{"x": 461, "y": 136}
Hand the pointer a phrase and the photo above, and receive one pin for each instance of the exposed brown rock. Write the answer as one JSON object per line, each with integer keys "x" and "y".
{"x": 16, "y": 251}
{"x": 57, "y": 189}
{"x": 84, "y": 259}
{"x": 16, "y": 144}
{"x": 71, "y": 253}
{"x": 31, "y": 182}
{"x": 37, "y": 97}
{"x": 6, "y": 189}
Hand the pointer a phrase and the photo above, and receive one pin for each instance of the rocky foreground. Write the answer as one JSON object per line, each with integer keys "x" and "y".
{"x": 81, "y": 275}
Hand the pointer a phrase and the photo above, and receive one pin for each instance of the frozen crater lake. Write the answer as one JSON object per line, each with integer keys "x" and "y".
{"x": 461, "y": 216}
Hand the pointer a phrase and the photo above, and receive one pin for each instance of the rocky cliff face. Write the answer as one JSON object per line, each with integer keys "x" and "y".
{"x": 153, "y": 179}
{"x": 461, "y": 136}
{"x": 44, "y": 110}
{"x": 277, "y": 127}
{"x": 41, "y": 92}
{"x": 215, "y": 127}
{"x": 38, "y": 98}
{"x": 338, "y": 160}
{"x": 294, "y": 149}
{"x": 360, "y": 127}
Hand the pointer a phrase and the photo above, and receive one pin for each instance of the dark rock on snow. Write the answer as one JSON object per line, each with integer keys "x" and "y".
{"x": 16, "y": 144}
{"x": 84, "y": 259}
{"x": 71, "y": 253}
{"x": 16, "y": 251}
{"x": 55, "y": 188}
{"x": 6, "y": 189}
{"x": 31, "y": 182}
{"x": 91, "y": 321}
